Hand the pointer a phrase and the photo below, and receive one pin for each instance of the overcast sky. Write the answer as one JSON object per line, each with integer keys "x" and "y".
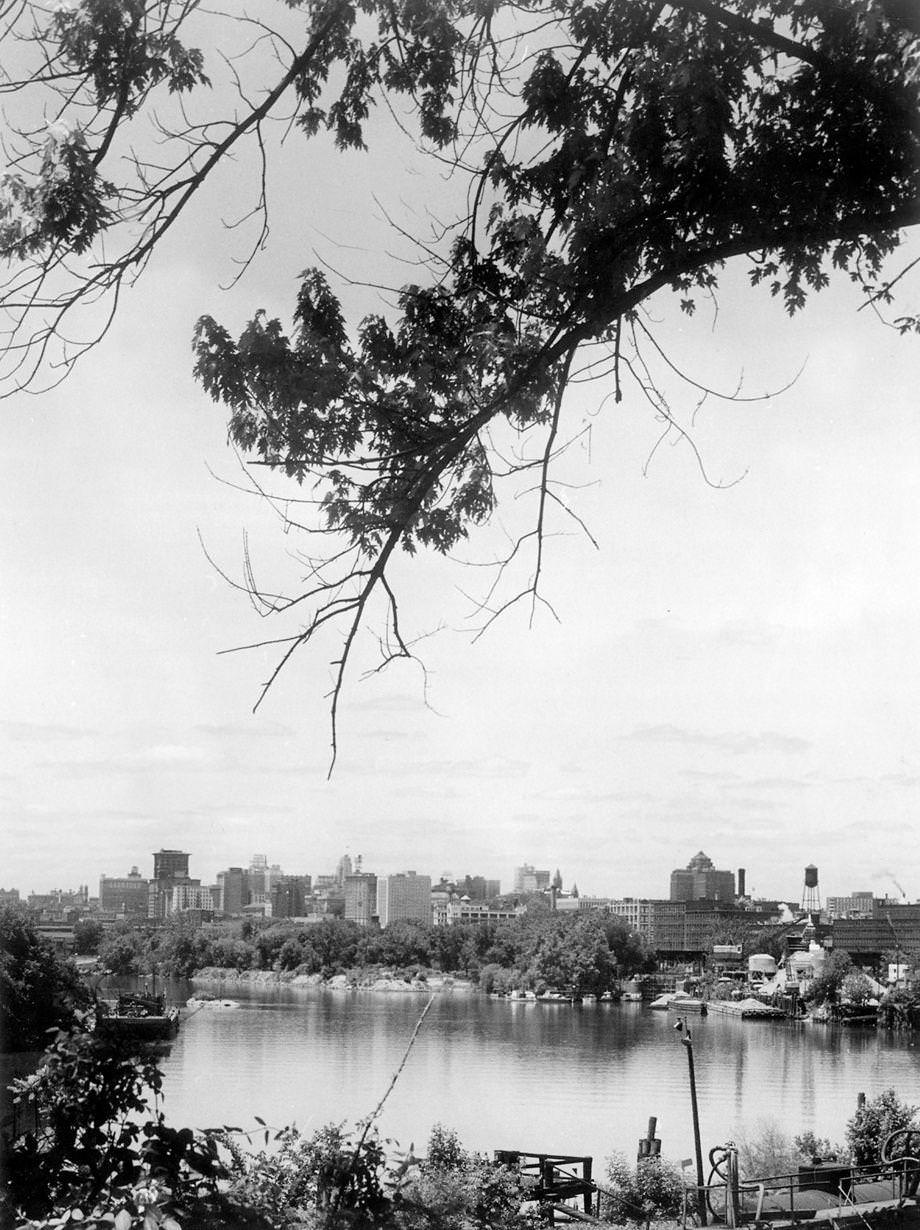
{"x": 734, "y": 669}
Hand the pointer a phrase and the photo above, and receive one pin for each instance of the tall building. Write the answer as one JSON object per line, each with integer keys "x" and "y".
{"x": 125, "y": 896}
{"x": 170, "y": 865}
{"x": 232, "y": 890}
{"x": 528, "y": 880}
{"x": 289, "y": 895}
{"x": 405, "y": 895}
{"x": 344, "y": 868}
{"x": 701, "y": 881}
{"x": 361, "y": 898}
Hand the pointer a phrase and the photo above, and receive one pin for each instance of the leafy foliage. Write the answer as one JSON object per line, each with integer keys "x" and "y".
{"x": 651, "y": 1190}
{"x": 39, "y": 991}
{"x": 827, "y": 986}
{"x": 582, "y": 952}
{"x": 765, "y": 1149}
{"x": 609, "y": 150}
{"x": 98, "y": 1145}
{"x": 867, "y": 1130}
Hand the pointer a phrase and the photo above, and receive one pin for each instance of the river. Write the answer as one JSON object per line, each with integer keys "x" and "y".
{"x": 536, "y": 1077}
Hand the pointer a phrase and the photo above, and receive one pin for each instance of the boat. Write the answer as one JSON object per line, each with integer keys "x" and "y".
{"x": 139, "y": 1018}
{"x": 632, "y": 997}
{"x": 209, "y": 1001}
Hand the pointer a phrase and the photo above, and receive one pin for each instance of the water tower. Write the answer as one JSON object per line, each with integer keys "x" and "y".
{"x": 811, "y": 896}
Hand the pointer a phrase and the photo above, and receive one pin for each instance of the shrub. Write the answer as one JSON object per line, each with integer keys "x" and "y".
{"x": 873, "y": 1122}
{"x": 766, "y": 1150}
{"x": 654, "y": 1189}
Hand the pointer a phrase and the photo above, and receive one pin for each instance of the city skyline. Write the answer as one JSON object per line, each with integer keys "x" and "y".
{"x": 348, "y": 864}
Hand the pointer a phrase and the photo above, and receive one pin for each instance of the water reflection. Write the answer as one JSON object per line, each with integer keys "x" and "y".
{"x": 518, "y": 1075}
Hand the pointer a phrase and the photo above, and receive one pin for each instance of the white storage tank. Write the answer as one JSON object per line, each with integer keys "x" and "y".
{"x": 761, "y": 965}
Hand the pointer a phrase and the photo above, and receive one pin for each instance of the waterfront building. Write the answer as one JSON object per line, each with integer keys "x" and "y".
{"x": 637, "y": 912}
{"x": 124, "y": 896}
{"x": 361, "y": 897}
{"x": 405, "y": 895}
{"x": 684, "y": 930}
{"x": 700, "y": 880}
{"x": 892, "y": 931}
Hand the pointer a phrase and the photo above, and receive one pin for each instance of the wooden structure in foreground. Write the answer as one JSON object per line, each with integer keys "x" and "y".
{"x": 840, "y": 1197}
{"x": 554, "y": 1178}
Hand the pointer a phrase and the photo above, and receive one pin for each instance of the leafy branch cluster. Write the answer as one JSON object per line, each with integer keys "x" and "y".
{"x": 610, "y": 150}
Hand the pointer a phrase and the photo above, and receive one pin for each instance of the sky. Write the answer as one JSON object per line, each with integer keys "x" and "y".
{"x": 734, "y": 667}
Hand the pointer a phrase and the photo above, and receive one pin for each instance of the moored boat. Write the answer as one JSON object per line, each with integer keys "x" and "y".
{"x": 137, "y": 1017}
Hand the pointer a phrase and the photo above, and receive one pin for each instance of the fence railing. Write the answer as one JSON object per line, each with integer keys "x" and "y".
{"x": 798, "y": 1196}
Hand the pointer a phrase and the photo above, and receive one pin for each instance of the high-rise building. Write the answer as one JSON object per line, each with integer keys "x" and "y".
{"x": 125, "y": 896}
{"x": 289, "y": 895}
{"x": 233, "y": 890}
{"x": 344, "y": 868}
{"x": 528, "y": 880}
{"x": 361, "y": 898}
{"x": 170, "y": 865}
{"x": 405, "y": 895}
{"x": 700, "y": 880}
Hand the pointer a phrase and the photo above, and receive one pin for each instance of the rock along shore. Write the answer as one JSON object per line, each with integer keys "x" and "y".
{"x": 339, "y": 982}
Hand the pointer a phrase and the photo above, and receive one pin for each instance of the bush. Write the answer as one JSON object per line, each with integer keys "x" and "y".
{"x": 873, "y": 1122}
{"x": 766, "y": 1150}
{"x": 856, "y": 988}
{"x": 98, "y": 1146}
{"x": 655, "y": 1189}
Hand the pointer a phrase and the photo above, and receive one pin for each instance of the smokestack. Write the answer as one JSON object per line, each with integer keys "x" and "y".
{"x": 741, "y": 892}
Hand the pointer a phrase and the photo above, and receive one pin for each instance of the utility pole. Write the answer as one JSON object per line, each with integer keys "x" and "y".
{"x": 686, "y": 1039}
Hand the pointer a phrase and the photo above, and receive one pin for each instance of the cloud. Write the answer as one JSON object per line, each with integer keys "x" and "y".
{"x": 243, "y": 730}
{"x": 737, "y": 743}
{"x": 394, "y": 702}
{"x": 40, "y": 732}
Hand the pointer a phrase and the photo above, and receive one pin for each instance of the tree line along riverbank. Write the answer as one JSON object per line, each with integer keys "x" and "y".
{"x": 584, "y": 954}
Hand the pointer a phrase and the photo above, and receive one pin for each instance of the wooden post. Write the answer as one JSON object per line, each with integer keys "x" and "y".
{"x": 587, "y": 1174}
{"x": 649, "y": 1145}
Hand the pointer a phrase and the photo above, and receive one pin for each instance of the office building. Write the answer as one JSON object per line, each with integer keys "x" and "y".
{"x": 528, "y": 879}
{"x": 361, "y": 898}
{"x": 403, "y": 896}
{"x": 124, "y": 896}
{"x": 700, "y": 880}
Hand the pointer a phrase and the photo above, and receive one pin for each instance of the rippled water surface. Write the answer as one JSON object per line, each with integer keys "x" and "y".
{"x": 537, "y": 1077}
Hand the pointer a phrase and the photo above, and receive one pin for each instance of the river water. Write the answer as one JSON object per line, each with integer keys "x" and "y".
{"x": 536, "y": 1077}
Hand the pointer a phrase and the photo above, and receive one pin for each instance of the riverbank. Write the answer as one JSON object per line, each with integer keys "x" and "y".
{"x": 373, "y": 980}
